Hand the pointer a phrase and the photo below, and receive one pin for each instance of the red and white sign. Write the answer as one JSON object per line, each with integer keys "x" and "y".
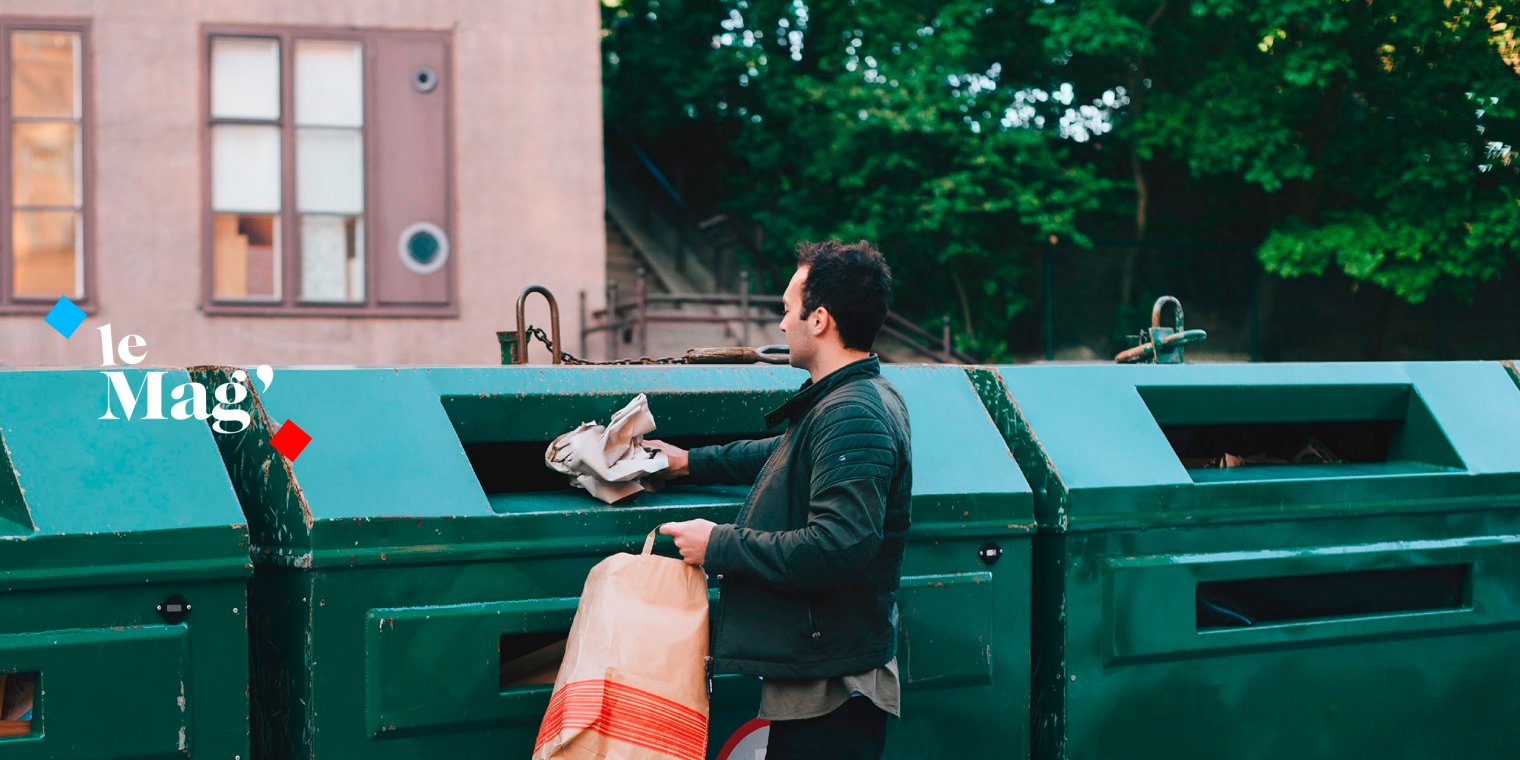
{"x": 748, "y": 742}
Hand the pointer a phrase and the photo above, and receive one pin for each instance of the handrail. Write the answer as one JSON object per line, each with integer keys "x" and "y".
{"x": 638, "y": 315}
{"x": 900, "y": 325}
{"x": 710, "y": 298}
{"x": 919, "y": 347}
{"x": 896, "y": 326}
{"x": 689, "y": 234}
{"x": 658, "y": 176}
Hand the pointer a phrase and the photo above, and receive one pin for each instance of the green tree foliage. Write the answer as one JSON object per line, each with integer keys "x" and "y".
{"x": 1374, "y": 137}
{"x": 1382, "y": 132}
{"x": 890, "y": 121}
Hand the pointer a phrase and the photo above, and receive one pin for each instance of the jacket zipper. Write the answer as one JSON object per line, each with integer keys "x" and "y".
{"x": 750, "y": 500}
{"x": 738, "y": 523}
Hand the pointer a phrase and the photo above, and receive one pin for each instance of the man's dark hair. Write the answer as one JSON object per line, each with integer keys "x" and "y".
{"x": 853, "y": 282}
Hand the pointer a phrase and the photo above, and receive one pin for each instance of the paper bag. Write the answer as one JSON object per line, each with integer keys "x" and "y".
{"x": 633, "y": 681}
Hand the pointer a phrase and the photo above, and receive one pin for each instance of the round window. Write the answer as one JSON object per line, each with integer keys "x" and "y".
{"x": 424, "y": 79}
{"x": 423, "y": 247}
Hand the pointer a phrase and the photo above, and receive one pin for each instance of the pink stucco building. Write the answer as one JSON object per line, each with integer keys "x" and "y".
{"x": 343, "y": 182}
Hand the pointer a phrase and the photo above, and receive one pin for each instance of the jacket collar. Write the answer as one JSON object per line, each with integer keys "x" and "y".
{"x": 811, "y": 393}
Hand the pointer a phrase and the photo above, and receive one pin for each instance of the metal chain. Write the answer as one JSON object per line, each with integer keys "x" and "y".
{"x": 567, "y": 358}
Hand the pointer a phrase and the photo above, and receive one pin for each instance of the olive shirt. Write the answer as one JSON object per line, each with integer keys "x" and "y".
{"x": 799, "y": 699}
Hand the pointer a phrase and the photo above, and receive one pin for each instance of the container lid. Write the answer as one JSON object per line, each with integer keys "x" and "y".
{"x": 90, "y": 495}
{"x": 1134, "y": 446}
{"x": 446, "y": 464}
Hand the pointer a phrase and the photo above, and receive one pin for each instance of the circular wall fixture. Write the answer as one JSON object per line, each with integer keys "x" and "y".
{"x": 424, "y": 79}
{"x": 423, "y": 247}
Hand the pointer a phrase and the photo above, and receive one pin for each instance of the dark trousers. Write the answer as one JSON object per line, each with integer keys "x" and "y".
{"x": 857, "y": 730}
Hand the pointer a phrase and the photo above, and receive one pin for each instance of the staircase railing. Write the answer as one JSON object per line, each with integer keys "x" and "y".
{"x": 716, "y": 243}
{"x": 630, "y": 321}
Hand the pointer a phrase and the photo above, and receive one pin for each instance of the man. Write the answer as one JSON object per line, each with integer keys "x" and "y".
{"x": 810, "y": 568}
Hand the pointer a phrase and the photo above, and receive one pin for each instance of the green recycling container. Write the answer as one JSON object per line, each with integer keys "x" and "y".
{"x": 1268, "y": 561}
{"x": 124, "y": 574}
{"x": 417, "y": 564}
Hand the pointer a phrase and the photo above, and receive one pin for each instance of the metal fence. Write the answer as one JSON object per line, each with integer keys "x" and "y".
{"x": 741, "y": 310}
{"x": 1087, "y": 302}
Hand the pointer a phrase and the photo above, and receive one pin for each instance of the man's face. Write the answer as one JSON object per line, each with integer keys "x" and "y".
{"x": 798, "y": 327}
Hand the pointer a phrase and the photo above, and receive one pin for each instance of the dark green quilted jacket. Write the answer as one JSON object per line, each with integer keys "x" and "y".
{"x": 809, "y": 570}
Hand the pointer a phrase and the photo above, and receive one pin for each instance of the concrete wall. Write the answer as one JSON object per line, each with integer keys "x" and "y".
{"x": 527, "y": 181}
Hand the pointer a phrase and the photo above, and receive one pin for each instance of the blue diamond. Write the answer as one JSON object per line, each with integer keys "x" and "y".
{"x": 65, "y": 317}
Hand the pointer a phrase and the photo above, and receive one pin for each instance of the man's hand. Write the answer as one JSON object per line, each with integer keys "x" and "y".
{"x": 691, "y": 538}
{"x": 678, "y": 461}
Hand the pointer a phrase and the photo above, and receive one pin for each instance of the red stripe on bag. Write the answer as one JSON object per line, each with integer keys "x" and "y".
{"x": 627, "y": 714}
{"x": 619, "y": 711}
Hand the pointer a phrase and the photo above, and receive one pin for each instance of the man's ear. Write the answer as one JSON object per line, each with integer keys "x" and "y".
{"x": 820, "y": 321}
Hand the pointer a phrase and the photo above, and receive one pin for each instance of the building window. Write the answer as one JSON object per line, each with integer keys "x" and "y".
{"x": 300, "y": 123}
{"x": 45, "y": 212}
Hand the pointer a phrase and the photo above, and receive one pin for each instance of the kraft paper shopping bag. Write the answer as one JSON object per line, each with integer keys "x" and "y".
{"x": 633, "y": 682}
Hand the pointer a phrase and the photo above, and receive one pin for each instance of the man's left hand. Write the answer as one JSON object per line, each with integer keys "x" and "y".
{"x": 691, "y": 538}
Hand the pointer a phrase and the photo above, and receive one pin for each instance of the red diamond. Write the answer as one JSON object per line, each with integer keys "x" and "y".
{"x": 290, "y": 440}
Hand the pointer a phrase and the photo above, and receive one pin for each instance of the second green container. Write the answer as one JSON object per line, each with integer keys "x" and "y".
{"x": 1268, "y": 561}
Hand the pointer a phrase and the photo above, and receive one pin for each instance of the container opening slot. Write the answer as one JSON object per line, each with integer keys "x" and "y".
{"x": 1252, "y": 445}
{"x": 518, "y": 466}
{"x": 504, "y": 437}
{"x": 529, "y": 659}
{"x": 1242, "y": 433}
{"x": 1289, "y": 599}
{"x": 17, "y": 701}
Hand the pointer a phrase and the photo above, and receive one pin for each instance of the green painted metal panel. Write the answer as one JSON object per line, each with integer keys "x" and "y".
{"x": 1126, "y": 670}
{"x": 140, "y": 671}
{"x": 534, "y": 403}
{"x": 964, "y": 651}
{"x": 391, "y": 568}
{"x": 961, "y": 461}
{"x": 1100, "y": 450}
{"x": 101, "y": 521}
{"x": 113, "y": 673}
{"x": 415, "y": 653}
{"x": 1168, "y": 626}
{"x": 1272, "y": 610}
{"x": 381, "y": 445}
{"x": 72, "y": 468}
{"x": 947, "y": 629}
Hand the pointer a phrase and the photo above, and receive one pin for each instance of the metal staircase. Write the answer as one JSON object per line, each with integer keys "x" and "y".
{"x": 690, "y": 277}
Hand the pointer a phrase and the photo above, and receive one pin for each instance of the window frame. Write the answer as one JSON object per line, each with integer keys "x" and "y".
{"x": 86, "y": 299}
{"x": 289, "y": 216}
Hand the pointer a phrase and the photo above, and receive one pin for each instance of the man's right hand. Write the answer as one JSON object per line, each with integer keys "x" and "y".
{"x": 677, "y": 457}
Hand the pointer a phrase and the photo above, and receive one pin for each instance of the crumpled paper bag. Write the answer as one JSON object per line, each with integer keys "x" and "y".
{"x": 609, "y": 462}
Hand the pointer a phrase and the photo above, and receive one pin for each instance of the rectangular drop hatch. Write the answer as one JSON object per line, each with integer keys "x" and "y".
{"x": 1255, "y": 433}
{"x": 1253, "y": 602}
{"x": 18, "y": 692}
{"x": 508, "y": 459}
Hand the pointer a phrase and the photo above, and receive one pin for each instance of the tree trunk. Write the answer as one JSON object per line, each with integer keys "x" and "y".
{"x": 1132, "y": 256}
{"x": 1128, "y": 274}
{"x": 1266, "y": 301}
{"x": 960, "y": 291}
